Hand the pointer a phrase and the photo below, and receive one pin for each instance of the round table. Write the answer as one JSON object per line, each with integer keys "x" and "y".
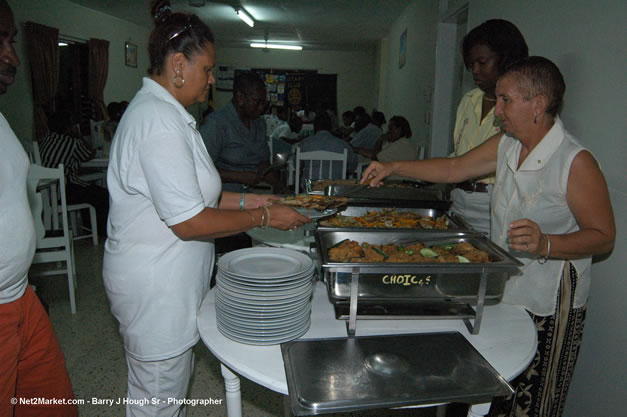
{"x": 507, "y": 340}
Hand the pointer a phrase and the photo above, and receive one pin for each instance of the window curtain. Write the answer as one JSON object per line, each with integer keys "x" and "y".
{"x": 98, "y": 69}
{"x": 43, "y": 54}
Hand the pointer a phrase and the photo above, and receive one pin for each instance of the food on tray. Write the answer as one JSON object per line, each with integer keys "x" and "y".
{"x": 315, "y": 202}
{"x": 389, "y": 218}
{"x": 354, "y": 252}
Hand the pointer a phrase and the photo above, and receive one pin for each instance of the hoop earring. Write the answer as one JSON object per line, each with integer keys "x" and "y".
{"x": 178, "y": 80}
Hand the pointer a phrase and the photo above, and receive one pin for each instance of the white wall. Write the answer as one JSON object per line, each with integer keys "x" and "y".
{"x": 587, "y": 40}
{"x": 355, "y": 70}
{"x": 78, "y": 22}
{"x": 405, "y": 89}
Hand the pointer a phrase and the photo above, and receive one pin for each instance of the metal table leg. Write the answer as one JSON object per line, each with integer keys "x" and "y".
{"x": 351, "y": 324}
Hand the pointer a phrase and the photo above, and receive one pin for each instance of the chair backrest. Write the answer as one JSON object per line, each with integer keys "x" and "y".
{"x": 40, "y": 178}
{"x": 36, "y": 153}
{"x": 319, "y": 165}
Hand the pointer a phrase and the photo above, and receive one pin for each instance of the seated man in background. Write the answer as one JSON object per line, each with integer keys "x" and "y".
{"x": 235, "y": 137}
{"x": 324, "y": 140}
{"x": 367, "y": 137}
{"x": 65, "y": 145}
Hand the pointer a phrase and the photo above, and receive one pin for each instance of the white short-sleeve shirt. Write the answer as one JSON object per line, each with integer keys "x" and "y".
{"x": 160, "y": 174}
{"x": 17, "y": 229}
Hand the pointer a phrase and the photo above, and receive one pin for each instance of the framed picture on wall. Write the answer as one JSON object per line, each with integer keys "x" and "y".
{"x": 402, "y": 52}
{"x": 130, "y": 54}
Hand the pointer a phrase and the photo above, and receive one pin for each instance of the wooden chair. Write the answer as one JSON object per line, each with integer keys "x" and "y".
{"x": 324, "y": 167}
{"x": 53, "y": 246}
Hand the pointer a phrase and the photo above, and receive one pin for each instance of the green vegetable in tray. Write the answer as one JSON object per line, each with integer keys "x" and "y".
{"x": 380, "y": 252}
{"x": 448, "y": 247}
{"x": 339, "y": 243}
{"x": 428, "y": 253}
{"x": 462, "y": 259}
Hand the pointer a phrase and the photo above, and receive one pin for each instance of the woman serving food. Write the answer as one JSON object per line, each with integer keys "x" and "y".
{"x": 166, "y": 209}
{"x": 550, "y": 206}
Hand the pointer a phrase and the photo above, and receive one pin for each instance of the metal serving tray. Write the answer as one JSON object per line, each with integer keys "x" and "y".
{"x": 451, "y": 286}
{"x": 456, "y": 222}
{"x": 357, "y": 373}
{"x": 413, "y": 191}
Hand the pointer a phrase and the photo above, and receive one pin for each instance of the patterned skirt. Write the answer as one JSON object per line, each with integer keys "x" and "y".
{"x": 540, "y": 391}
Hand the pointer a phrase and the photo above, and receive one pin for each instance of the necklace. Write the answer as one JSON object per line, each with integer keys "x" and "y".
{"x": 486, "y": 98}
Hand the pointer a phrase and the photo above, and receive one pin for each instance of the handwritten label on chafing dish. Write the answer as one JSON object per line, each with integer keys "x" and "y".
{"x": 406, "y": 280}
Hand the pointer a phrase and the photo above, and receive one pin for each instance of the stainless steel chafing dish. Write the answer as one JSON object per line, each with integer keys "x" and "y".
{"x": 413, "y": 290}
{"x": 402, "y": 190}
{"x": 456, "y": 223}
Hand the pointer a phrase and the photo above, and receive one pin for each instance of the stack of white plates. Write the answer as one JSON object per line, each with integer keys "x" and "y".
{"x": 263, "y": 295}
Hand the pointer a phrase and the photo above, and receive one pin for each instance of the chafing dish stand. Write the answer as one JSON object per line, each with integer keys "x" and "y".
{"x": 351, "y": 323}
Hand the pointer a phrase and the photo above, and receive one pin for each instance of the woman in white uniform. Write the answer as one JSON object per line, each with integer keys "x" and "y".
{"x": 166, "y": 209}
{"x": 551, "y": 206}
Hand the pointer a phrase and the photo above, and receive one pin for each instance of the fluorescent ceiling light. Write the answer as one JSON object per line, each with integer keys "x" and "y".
{"x": 61, "y": 43}
{"x": 245, "y": 17}
{"x": 277, "y": 46}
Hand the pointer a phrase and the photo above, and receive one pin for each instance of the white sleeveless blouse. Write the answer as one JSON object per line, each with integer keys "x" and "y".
{"x": 537, "y": 191}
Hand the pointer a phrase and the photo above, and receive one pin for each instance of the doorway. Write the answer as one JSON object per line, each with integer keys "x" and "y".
{"x": 449, "y": 85}
{"x": 72, "y": 93}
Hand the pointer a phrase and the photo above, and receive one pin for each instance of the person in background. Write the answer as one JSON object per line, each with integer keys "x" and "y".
{"x": 550, "y": 207}
{"x": 487, "y": 50}
{"x": 65, "y": 145}
{"x": 167, "y": 208}
{"x": 324, "y": 140}
{"x": 235, "y": 137}
{"x": 272, "y": 119}
{"x": 32, "y": 365}
{"x": 346, "y": 130}
{"x": 366, "y": 138}
{"x": 394, "y": 145}
{"x": 114, "y": 110}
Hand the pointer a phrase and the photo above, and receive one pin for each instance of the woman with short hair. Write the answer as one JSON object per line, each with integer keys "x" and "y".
{"x": 551, "y": 207}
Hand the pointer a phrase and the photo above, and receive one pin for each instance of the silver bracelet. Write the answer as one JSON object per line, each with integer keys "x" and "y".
{"x": 543, "y": 259}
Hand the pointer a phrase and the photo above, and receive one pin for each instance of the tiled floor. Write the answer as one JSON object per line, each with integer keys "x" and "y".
{"x": 95, "y": 355}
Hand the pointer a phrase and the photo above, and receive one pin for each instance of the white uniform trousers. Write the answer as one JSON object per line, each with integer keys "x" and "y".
{"x": 153, "y": 385}
{"x": 474, "y": 207}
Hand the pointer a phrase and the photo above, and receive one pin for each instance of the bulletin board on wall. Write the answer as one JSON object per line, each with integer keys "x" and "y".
{"x": 286, "y": 88}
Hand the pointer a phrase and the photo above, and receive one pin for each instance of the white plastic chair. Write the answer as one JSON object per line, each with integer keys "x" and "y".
{"x": 53, "y": 246}
{"x": 92, "y": 230}
{"x": 325, "y": 165}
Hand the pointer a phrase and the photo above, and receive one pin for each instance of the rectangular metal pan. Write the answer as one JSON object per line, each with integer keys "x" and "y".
{"x": 373, "y": 372}
{"x": 456, "y": 223}
{"x": 445, "y": 282}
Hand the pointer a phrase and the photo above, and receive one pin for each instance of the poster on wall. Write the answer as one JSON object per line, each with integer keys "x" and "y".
{"x": 275, "y": 86}
{"x": 402, "y": 53}
{"x": 224, "y": 77}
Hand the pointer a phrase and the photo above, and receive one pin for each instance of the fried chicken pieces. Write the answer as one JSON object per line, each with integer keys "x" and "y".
{"x": 352, "y": 251}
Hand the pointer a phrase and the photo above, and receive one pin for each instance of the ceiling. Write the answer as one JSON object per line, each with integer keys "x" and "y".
{"x": 314, "y": 24}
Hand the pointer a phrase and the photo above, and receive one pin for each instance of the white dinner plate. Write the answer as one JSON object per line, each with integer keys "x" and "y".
{"x": 259, "y": 307}
{"x": 264, "y": 263}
